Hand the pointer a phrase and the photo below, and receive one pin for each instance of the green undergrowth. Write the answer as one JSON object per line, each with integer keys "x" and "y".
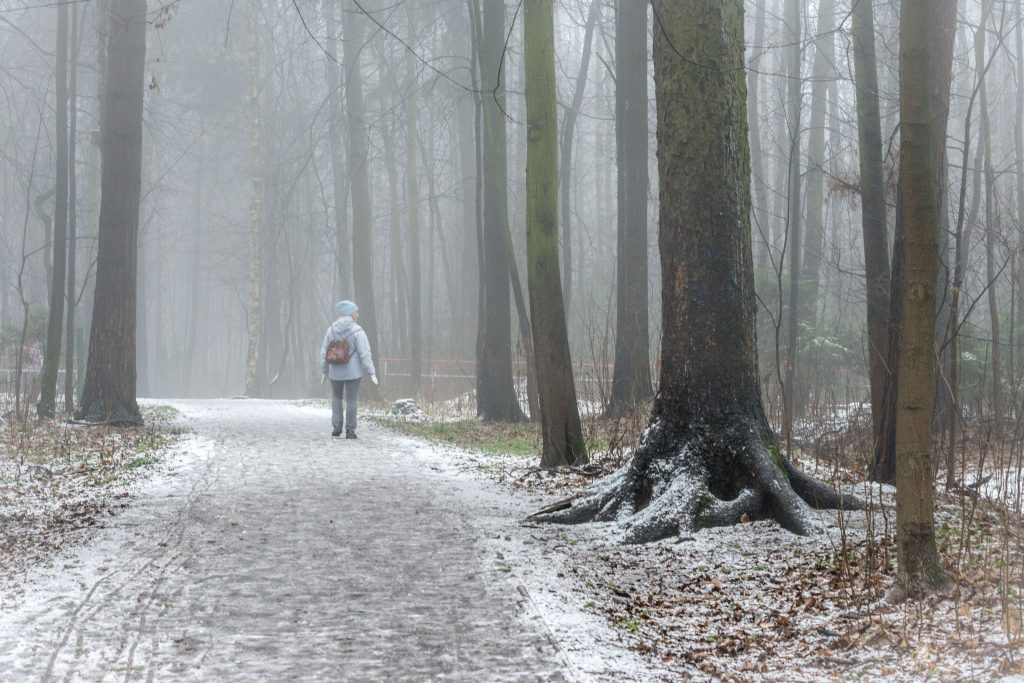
{"x": 493, "y": 438}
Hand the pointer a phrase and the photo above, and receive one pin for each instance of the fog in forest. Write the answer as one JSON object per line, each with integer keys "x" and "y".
{"x": 299, "y": 153}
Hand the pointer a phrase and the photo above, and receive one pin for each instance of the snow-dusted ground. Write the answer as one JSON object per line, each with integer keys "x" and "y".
{"x": 263, "y": 549}
{"x": 268, "y": 550}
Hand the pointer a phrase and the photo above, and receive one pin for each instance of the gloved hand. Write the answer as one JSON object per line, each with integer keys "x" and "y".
{"x": 373, "y": 378}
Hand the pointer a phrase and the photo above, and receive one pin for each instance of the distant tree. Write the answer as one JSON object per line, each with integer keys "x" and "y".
{"x": 918, "y": 563}
{"x": 873, "y": 210}
{"x": 71, "y": 295}
{"x": 109, "y": 392}
{"x": 496, "y": 396}
{"x": 412, "y": 204}
{"x": 708, "y": 456}
{"x": 255, "y": 303}
{"x": 559, "y": 414}
{"x": 339, "y": 179}
{"x": 54, "y": 334}
{"x": 793, "y": 400}
{"x": 567, "y": 137}
{"x": 823, "y": 73}
{"x": 359, "y": 174}
{"x": 631, "y": 377}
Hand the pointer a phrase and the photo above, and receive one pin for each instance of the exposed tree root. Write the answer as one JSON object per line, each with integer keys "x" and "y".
{"x": 714, "y": 476}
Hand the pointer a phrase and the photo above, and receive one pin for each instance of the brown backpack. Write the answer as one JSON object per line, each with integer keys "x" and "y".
{"x": 338, "y": 350}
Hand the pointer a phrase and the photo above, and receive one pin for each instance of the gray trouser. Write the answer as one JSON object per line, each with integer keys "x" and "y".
{"x": 349, "y": 390}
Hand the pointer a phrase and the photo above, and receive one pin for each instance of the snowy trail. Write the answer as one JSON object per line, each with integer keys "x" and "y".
{"x": 272, "y": 552}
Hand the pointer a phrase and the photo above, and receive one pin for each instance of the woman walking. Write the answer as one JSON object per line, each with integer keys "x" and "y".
{"x": 345, "y": 357}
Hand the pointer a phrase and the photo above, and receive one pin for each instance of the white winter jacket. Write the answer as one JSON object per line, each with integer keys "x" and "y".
{"x": 360, "y": 360}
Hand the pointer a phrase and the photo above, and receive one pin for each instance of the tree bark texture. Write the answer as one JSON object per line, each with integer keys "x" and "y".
{"x": 942, "y": 30}
{"x": 708, "y": 456}
{"x": 560, "y": 419}
{"x": 109, "y": 392}
{"x": 919, "y": 567}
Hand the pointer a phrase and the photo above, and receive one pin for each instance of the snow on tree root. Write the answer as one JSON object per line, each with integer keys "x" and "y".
{"x": 715, "y": 479}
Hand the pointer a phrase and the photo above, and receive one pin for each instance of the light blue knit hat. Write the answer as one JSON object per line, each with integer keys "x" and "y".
{"x": 345, "y": 307}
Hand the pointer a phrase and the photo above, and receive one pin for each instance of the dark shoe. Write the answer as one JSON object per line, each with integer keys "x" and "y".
{"x": 336, "y": 432}
{"x": 350, "y": 433}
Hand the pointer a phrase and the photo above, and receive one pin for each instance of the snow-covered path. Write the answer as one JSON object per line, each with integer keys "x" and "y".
{"x": 273, "y": 551}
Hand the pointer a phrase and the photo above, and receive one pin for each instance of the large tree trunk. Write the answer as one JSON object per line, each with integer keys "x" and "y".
{"x": 496, "y": 396}
{"x": 631, "y": 378}
{"x": 919, "y": 567}
{"x": 54, "y": 331}
{"x": 109, "y": 392}
{"x": 708, "y": 456}
{"x": 873, "y": 211}
{"x": 560, "y": 418}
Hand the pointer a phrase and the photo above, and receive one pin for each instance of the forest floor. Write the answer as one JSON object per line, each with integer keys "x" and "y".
{"x": 232, "y": 539}
{"x": 753, "y": 602}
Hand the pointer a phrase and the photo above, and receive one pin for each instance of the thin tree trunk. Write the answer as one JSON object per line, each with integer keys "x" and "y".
{"x": 254, "y": 308}
{"x": 824, "y": 60}
{"x": 568, "y": 135}
{"x": 412, "y": 205}
{"x": 496, "y": 397}
{"x": 873, "y": 210}
{"x": 631, "y": 378}
{"x": 72, "y": 288}
{"x": 51, "y": 360}
{"x": 342, "y": 240}
{"x": 762, "y": 229}
{"x": 560, "y": 419}
{"x": 792, "y": 38}
{"x": 991, "y": 220}
{"x": 359, "y": 175}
